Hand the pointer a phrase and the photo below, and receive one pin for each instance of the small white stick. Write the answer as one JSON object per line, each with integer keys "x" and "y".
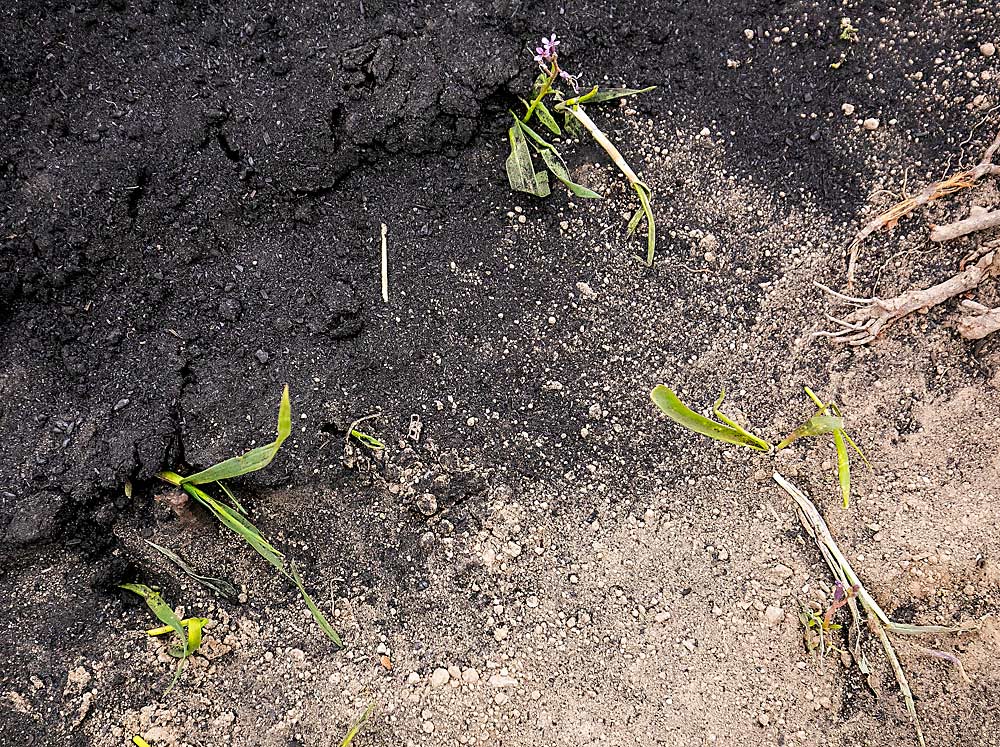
{"x": 385, "y": 265}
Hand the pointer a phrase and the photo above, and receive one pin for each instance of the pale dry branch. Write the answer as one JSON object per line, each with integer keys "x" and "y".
{"x": 978, "y": 220}
{"x": 934, "y": 191}
{"x": 865, "y": 323}
{"x": 981, "y": 321}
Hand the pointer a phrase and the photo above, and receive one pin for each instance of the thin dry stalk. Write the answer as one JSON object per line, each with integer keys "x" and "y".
{"x": 937, "y": 190}
{"x": 878, "y": 621}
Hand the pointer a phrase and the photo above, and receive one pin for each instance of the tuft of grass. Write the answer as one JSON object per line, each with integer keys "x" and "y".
{"x": 233, "y": 515}
{"x": 219, "y": 585}
{"x": 820, "y": 424}
{"x": 190, "y": 641}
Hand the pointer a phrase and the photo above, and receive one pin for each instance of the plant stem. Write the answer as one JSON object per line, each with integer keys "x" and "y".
{"x": 641, "y": 189}
{"x": 545, "y": 91}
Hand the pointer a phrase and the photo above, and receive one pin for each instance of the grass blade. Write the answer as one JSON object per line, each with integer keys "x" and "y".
{"x": 358, "y": 725}
{"x": 817, "y": 425}
{"x": 672, "y": 407}
{"x": 843, "y": 467}
{"x": 370, "y": 441}
{"x": 165, "y": 614}
{"x": 293, "y": 574}
{"x": 558, "y": 168}
{"x": 647, "y": 210}
{"x": 253, "y": 460}
{"x": 615, "y": 93}
{"x": 220, "y": 586}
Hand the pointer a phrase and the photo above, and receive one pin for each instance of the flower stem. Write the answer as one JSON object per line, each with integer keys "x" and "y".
{"x": 545, "y": 91}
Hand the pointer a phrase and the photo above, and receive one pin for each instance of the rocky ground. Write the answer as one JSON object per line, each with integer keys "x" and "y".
{"x": 192, "y": 202}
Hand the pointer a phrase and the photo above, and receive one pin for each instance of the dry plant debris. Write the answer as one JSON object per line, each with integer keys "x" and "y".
{"x": 872, "y": 315}
{"x": 934, "y": 191}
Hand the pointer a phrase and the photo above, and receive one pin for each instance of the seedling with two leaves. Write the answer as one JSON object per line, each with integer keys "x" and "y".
{"x": 731, "y": 432}
{"x": 234, "y": 516}
{"x": 188, "y": 631}
{"x": 524, "y": 139}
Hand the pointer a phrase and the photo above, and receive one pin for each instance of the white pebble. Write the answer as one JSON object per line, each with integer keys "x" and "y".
{"x": 440, "y": 677}
{"x": 870, "y": 124}
{"x": 987, "y": 49}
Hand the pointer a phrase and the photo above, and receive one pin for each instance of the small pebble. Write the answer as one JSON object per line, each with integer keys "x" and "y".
{"x": 847, "y": 109}
{"x": 440, "y": 677}
{"x": 427, "y": 504}
{"x": 470, "y": 676}
{"x": 987, "y": 49}
{"x": 870, "y": 124}
{"x": 773, "y": 615}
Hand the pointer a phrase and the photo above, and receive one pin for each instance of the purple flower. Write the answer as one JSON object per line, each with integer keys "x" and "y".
{"x": 548, "y": 49}
{"x": 838, "y": 592}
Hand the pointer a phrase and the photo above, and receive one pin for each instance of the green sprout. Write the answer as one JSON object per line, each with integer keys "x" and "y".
{"x": 524, "y": 139}
{"x": 731, "y": 432}
{"x": 189, "y": 641}
{"x": 820, "y": 424}
{"x": 847, "y": 31}
{"x": 233, "y": 515}
{"x": 357, "y": 726}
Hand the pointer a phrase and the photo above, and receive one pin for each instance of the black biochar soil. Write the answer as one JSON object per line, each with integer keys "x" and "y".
{"x": 191, "y": 195}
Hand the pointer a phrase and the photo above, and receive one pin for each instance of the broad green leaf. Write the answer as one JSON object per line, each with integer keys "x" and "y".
{"x": 817, "y": 425}
{"x": 520, "y": 170}
{"x": 843, "y": 467}
{"x": 672, "y": 407}
{"x": 324, "y": 625}
{"x": 165, "y": 614}
{"x": 615, "y": 93}
{"x": 220, "y": 586}
{"x": 357, "y": 726}
{"x": 252, "y": 460}
{"x": 558, "y": 168}
{"x": 546, "y": 118}
{"x": 572, "y": 125}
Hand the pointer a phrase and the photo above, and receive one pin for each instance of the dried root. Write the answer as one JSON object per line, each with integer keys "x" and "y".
{"x": 978, "y": 220}
{"x": 943, "y": 188}
{"x": 980, "y": 322}
{"x": 872, "y": 315}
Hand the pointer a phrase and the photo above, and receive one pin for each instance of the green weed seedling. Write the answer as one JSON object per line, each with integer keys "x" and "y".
{"x": 189, "y": 641}
{"x": 357, "y": 726}
{"x": 728, "y": 431}
{"x": 524, "y": 139}
{"x": 849, "y": 589}
{"x": 233, "y": 515}
{"x": 821, "y": 424}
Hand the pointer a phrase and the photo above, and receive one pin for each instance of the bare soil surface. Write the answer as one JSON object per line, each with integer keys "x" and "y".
{"x": 191, "y": 196}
